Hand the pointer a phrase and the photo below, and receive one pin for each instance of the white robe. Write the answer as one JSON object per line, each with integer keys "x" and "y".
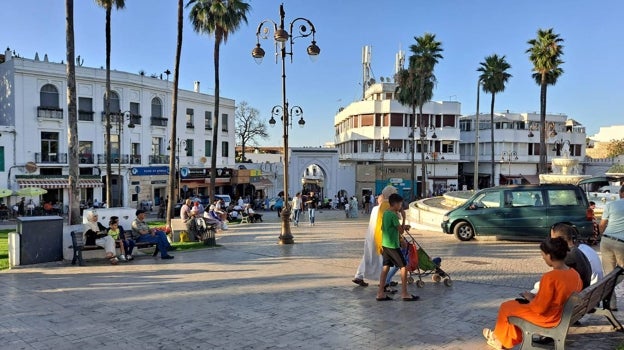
{"x": 371, "y": 264}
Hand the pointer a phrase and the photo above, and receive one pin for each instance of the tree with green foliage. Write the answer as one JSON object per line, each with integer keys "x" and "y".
{"x": 545, "y": 53}
{"x": 219, "y": 18}
{"x": 415, "y": 88}
{"x": 615, "y": 148}
{"x": 493, "y": 78}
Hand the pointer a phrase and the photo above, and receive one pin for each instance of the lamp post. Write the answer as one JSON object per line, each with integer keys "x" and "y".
{"x": 121, "y": 118}
{"x": 179, "y": 144}
{"x": 282, "y": 40}
{"x": 475, "y": 182}
{"x": 509, "y": 156}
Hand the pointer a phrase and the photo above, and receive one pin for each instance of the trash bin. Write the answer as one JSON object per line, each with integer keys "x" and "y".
{"x": 41, "y": 239}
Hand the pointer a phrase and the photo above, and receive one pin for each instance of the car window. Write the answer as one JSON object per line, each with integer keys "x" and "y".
{"x": 564, "y": 197}
{"x": 523, "y": 199}
{"x": 489, "y": 199}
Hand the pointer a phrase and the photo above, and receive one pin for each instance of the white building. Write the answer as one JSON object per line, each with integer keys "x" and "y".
{"x": 376, "y": 135}
{"x": 34, "y": 124}
{"x": 516, "y": 146}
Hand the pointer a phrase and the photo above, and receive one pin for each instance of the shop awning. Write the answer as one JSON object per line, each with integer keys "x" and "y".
{"x": 262, "y": 183}
{"x": 57, "y": 183}
{"x": 532, "y": 179}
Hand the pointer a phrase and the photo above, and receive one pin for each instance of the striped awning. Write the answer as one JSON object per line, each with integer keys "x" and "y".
{"x": 58, "y": 183}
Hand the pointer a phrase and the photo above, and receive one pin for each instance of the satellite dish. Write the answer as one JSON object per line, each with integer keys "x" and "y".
{"x": 30, "y": 167}
{"x": 203, "y": 160}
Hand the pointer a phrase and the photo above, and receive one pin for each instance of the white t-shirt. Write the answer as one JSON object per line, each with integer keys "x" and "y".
{"x": 594, "y": 262}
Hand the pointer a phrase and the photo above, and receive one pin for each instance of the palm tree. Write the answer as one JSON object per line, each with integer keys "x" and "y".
{"x": 108, "y": 6}
{"x": 493, "y": 78}
{"x": 72, "y": 117}
{"x": 174, "y": 115}
{"x": 218, "y": 18}
{"x": 415, "y": 88}
{"x": 545, "y": 54}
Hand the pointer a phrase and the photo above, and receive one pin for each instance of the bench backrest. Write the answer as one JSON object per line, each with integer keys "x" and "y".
{"x": 591, "y": 296}
{"x": 77, "y": 239}
{"x": 178, "y": 225}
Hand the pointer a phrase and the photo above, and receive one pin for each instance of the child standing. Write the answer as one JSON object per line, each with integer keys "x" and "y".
{"x": 391, "y": 248}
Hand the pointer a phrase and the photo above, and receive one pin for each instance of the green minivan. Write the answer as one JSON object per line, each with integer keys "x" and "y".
{"x": 524, "y": 212}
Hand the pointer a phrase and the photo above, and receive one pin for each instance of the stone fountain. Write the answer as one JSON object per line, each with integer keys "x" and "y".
{"x": 564, "y": 170}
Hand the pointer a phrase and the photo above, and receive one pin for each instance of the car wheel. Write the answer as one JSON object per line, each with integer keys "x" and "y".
{"x": 272, "y": 208}
{"x": 463, "y": 231}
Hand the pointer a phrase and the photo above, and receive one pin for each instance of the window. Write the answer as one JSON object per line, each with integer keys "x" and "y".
{"x": 448, "y": 147}
{"x": 1, "y": 158}
{"x": 208, "y": 148}
{"x": 208, "y": 120}
{"x": 488, "y": 200}
{"x": 115, "y": 106}
{"x": 49, "y": 146}
{"x": 85, "y": 152}
{"x": 224, "y": 122}
{"x": 189, "y": 118}
{"x": 367, "y": 120}
{"x": 189, "y": 147}
{"x": 448, "y": 120}
{"x": 85, "y": 109}
{"x": 49, "y": 96}
{"x": 157, "y": 146}
{"x": 225, "y": 151}
{"x": 156, "y": 108}
{"x": 534, "y": 149}
{"x": 524, "y": 199}
{"x": 135, "y": 108}
{"x": 564, "y": 198}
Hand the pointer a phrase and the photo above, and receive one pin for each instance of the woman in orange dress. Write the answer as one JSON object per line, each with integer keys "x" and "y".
{"x": 545, "y": 307}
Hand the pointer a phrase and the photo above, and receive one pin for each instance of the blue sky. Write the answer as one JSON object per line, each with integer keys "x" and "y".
{"x": 144, "y": 33}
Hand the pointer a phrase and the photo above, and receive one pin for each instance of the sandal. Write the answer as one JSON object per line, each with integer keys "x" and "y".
{"x": 114, "y": 261}
{"x": 491, "y": 339}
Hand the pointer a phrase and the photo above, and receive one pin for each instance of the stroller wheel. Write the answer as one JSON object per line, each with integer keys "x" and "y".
{"x": 436, "y": 278}
{"x": 420, "y": 284}
{"x": 410, "y": 280}
{"x": 448, "y": 282}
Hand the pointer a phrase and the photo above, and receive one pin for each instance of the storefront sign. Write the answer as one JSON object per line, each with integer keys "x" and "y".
{"x": 152, "y": 170}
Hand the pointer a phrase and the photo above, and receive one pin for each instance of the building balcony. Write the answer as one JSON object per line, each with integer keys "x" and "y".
{"x": 51, "y": 158}
{"x": 117, "y": 117}
{"x": 156, "y": 121}
{"x": 135, "y": 159}
{"x": 158, "y": 159}
{"x": 116, "y": 158}
{"x": 85, "y": 158}
{"x": 49, "y": 113}
{"x": 85, "y": 116}
{"x": 190, "y": 125}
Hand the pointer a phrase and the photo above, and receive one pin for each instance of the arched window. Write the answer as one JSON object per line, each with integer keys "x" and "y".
{"x": 49, "y": 96}
{"x": 156, "y": 108}
{"x": 115, "y": 106}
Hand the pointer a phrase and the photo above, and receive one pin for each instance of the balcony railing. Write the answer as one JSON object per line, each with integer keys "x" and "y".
{"x": 85, "y": 158}
{"x": 49, "y": 113}
{"x": 159, "y": 159}
{"x": 135, "y": 159}
{"x": 190, "y": 126}
{"x": 51, "y": 158}
{"x": 116, "y": 158}
{"x": 116, "y": 117}
{"x": 85, "y": 116}
{"x": 156, "y": 121}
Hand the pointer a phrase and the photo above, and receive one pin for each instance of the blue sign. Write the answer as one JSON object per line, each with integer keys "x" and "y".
{"x": 152, "y": 170}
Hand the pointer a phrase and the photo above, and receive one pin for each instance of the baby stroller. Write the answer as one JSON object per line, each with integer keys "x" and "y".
{"x": 419, "y": 264}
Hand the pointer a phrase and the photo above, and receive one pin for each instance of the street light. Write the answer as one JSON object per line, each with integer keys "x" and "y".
{"x": 179, "y": 144}
{"x": 282, "y": 39}
{"x": 121, "y": 118}
{"x": 509, "y": 157}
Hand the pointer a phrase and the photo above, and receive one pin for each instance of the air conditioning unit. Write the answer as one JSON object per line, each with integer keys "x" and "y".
{"x": 83, "y": 160}
{"x": 136, "y": 160}
{"x": 116, "y": 160}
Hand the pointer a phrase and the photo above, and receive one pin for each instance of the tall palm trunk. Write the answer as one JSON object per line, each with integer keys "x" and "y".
{"x": 413, "y": 167}
{"x": 109, "y": 171}
{"x": 215, "y": 119}
{"x": 72, "y": 118}
{"x": 492, "y": 139}
{"x": 543, "y": 155}
{"x": 174, "y": 117}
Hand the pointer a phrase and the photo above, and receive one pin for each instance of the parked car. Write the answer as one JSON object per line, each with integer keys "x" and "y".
{"x": 523, "y": 212}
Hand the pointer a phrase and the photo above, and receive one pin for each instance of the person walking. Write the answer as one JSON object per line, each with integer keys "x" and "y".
{"x": 296, "y": 207}
{"x": 612, "y": 245}
{"x": 312, "y": 203}
{"x": 370, "y": 265}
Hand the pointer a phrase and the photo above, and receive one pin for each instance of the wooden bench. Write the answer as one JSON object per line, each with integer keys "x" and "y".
{"x": 579, "y": 304}
{"x": 79, "y": 246}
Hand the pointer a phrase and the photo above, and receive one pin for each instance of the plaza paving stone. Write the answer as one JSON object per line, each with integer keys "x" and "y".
{"x": 252, "y": 293}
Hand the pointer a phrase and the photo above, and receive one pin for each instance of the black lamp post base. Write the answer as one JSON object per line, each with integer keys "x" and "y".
{"x": 283, "y": 239}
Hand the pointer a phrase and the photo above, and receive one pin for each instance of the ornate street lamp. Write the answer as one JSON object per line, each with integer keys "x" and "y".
{"x": 509, "y": 157}
{"x": 121, "y": 118}
{"x": 284, "y": 39}
{"x": 179, "y": 144}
